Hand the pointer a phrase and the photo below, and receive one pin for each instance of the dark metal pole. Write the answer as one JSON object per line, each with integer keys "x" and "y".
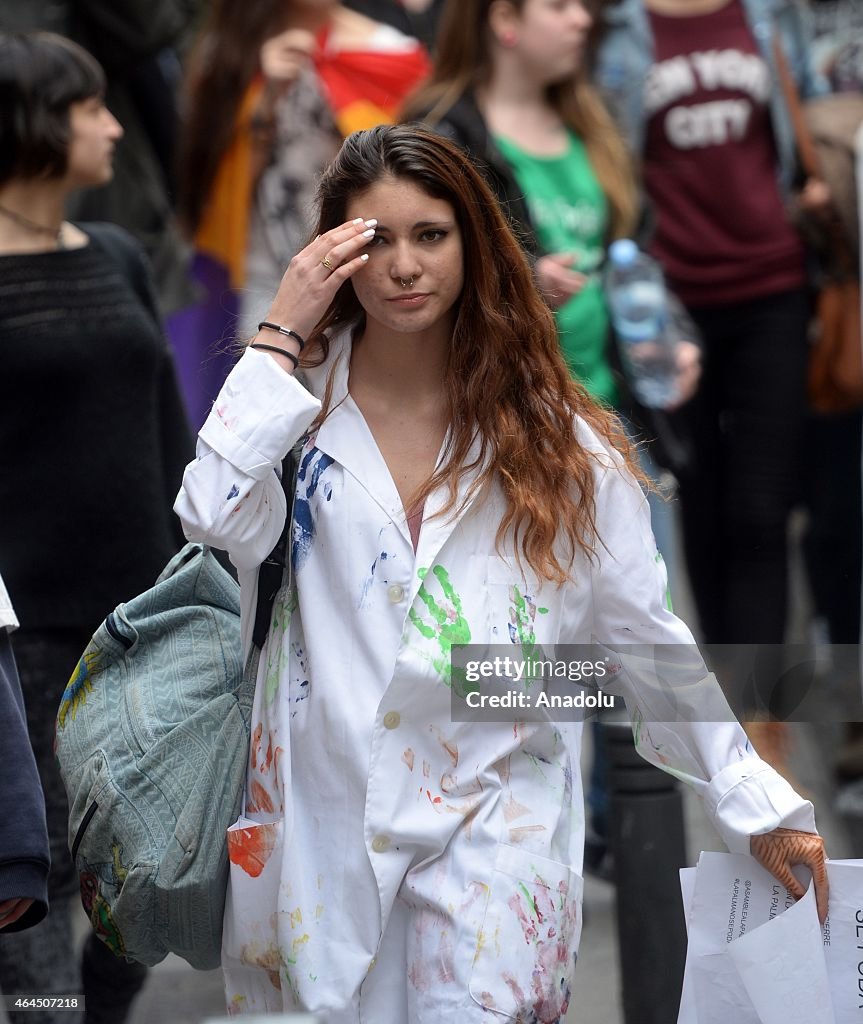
{"x": 648, "y": 843}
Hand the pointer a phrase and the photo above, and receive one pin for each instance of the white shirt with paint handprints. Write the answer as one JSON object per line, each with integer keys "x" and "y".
{"x": 393, "y": 864}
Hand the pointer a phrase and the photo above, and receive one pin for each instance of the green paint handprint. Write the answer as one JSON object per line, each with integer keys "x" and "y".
{"x": 522, "y": 615}
{"x": 448, "y": 625}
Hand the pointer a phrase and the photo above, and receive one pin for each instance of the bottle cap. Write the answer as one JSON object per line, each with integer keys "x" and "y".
{"x": 623, "y": 252}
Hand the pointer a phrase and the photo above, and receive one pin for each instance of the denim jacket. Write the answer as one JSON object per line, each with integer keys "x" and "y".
{"x": 627, "y": 53}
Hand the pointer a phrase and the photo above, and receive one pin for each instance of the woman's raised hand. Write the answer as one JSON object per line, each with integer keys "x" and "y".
{"x": 284, "y": 56}
{"x": 314, "y": 276}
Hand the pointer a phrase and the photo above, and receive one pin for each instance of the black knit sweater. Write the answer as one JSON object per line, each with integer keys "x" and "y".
{"x": 93, "y": 435}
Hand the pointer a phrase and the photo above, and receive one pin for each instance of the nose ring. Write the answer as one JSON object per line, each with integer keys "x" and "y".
{"x": 406, "y": 284}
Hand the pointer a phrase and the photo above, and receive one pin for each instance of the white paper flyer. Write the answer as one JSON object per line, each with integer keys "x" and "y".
{"x": 756, "y": 956}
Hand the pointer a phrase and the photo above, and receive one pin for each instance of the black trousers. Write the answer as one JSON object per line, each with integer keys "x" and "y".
{"x": 747, "y": 425}
{"x": 833, "y": 545}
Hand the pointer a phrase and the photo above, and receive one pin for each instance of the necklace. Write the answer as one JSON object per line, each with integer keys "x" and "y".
{"x": 31, "y": 225}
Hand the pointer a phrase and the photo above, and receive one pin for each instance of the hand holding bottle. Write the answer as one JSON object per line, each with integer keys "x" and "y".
{"x": 687, "y": 373}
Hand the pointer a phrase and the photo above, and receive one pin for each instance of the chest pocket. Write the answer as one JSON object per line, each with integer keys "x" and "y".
{"x": 524, "y": 966}
{"x": 523, "y": 609}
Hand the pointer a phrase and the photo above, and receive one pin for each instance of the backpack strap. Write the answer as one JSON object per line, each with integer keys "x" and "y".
{"x": 276, "y": 567}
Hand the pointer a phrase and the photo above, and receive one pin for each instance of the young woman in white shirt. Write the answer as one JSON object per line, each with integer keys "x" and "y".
{"x": 455, "y": 486}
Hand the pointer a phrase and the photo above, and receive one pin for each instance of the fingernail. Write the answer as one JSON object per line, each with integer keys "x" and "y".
{"x": 371, "y": 223}
{"x": 364, "y": 257}
{"x": 369, "y": 233}
{"x": 359, "y": 220}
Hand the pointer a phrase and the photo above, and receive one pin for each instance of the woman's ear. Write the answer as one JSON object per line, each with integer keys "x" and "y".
{"x": 504, "y": 22}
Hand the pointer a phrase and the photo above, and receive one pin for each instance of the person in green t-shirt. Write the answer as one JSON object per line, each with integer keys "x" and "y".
{"x": 570, "y": 215}
{"x": 509, "y": 85}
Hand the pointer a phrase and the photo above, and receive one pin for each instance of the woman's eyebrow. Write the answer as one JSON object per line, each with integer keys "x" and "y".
{"x": 420, "y": 224}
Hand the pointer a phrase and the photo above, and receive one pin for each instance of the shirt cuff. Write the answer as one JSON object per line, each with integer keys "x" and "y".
{"x": 258, "y": 415}
{"x": 749, "y": 798}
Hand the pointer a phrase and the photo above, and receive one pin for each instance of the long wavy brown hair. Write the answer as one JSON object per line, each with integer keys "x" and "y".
{"x": 464, "y": 62}
{"x": 506, "y": 381}
{"x": 222, "y": 64}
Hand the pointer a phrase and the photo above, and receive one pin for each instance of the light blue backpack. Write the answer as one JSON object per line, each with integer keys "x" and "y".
{"x": 152, "y": 742}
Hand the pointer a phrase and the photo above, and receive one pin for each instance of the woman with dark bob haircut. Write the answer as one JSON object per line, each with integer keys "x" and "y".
{"x": 402, "y": 856}
{"x": 94, "y": 440}
{"x": 47, "y": 74}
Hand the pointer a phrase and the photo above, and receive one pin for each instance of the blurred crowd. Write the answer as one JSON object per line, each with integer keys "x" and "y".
{"x": 657, "y": 120}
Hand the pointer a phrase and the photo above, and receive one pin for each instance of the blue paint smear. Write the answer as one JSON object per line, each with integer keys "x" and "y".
{"x": 312, "y": 466}
{"x": 304, "y": 463}
{"x": 321, "y": 463}
{"x": 234, "y": 491}
{"x": 303, "y": 532}
{"x": 367, "y": 583}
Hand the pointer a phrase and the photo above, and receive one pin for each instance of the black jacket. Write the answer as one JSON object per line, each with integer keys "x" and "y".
{"x": 24, "y": 857}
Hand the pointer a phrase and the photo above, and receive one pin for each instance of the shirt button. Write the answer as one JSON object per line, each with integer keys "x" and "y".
{"x": 396, "y": 593}
{"x": 380, "y": 844}
{"x": 392, "y": 719}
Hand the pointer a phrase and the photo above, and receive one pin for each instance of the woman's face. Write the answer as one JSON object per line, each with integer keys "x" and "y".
{"x": 93, "y": 134}
{"x": 549, "y": 36}
{"x": 415, "y": 271}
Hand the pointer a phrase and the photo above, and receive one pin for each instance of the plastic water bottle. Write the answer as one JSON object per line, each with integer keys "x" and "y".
{"x": 635, "y": 289}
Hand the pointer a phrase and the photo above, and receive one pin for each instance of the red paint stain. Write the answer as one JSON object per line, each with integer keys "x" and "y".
{"x": 250, "y": 848}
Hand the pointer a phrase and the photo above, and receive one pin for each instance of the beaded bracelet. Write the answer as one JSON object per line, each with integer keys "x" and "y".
{"x": 279, "y": 351}
{"x": 288, "y": 333}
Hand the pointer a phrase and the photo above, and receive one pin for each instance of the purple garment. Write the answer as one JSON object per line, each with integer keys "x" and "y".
{"x": 204, "y": 337}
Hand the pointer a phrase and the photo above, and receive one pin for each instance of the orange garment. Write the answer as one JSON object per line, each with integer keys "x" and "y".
{"x": 224, "y": 228}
